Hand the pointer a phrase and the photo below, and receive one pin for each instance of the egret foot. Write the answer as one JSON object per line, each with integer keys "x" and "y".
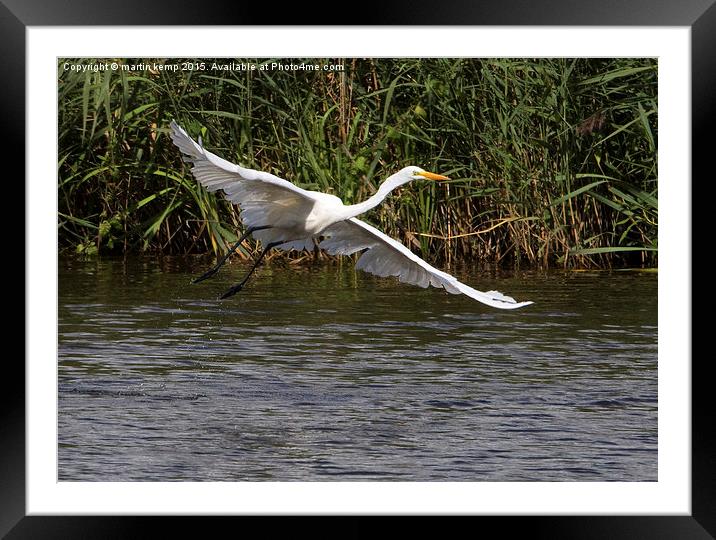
{"x": 232, "y": 291}
{"x": 213, "y": 271}
{"x": 205, "y": 275}
{"x": 236, "y": 288}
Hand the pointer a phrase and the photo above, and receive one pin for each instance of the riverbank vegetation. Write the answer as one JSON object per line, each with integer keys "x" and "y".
{"x": 553, "y": 161}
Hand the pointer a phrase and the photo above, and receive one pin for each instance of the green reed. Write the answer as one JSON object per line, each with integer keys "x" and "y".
{"x": 553, "y": 161}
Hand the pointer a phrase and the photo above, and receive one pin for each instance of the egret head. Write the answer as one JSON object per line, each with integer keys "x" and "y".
{"x": 416, "y": 173}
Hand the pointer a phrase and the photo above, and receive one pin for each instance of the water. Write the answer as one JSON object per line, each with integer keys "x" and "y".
{"x": 322, "y": 373}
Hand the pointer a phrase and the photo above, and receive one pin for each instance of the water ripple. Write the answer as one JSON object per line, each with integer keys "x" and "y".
{"x": 336, "y": 376}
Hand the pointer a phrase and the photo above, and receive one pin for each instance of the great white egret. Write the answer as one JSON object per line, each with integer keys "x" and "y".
{"x": 284, "y": 216}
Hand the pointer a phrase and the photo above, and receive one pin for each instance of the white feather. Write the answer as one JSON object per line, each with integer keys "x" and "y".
{"x": 298, "y": 217}
{"x": 385, "y": 256}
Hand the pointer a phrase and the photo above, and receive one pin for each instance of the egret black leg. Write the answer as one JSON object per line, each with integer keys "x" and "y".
{"x": 236, "y": 288}
{"x": 213, "y": 271}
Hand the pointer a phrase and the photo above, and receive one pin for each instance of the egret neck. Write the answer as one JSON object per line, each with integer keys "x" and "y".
{"x": 403, "y": 176}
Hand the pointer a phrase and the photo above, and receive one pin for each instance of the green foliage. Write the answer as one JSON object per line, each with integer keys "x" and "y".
{"x": 553, "y": 161}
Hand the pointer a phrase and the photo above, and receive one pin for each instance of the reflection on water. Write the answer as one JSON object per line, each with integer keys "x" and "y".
{"x": 323, "y": 373}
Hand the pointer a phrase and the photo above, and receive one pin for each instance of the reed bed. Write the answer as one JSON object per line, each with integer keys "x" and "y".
{"x": 553, "y": 161}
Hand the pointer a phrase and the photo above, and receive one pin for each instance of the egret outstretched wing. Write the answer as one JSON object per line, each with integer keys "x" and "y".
{"x": 262, "y": 197}
{"x": 385, "y": 256}
{"x": 280, "y": 214}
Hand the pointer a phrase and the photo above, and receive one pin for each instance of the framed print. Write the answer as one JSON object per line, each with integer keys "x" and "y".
{"x": 311, "y": 391}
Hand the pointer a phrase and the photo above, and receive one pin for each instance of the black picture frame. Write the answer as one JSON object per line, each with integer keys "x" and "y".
{"x": 699, "y": 15}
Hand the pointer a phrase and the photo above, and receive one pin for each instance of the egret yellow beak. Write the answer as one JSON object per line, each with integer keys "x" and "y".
{"x": 433, "y": 176}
